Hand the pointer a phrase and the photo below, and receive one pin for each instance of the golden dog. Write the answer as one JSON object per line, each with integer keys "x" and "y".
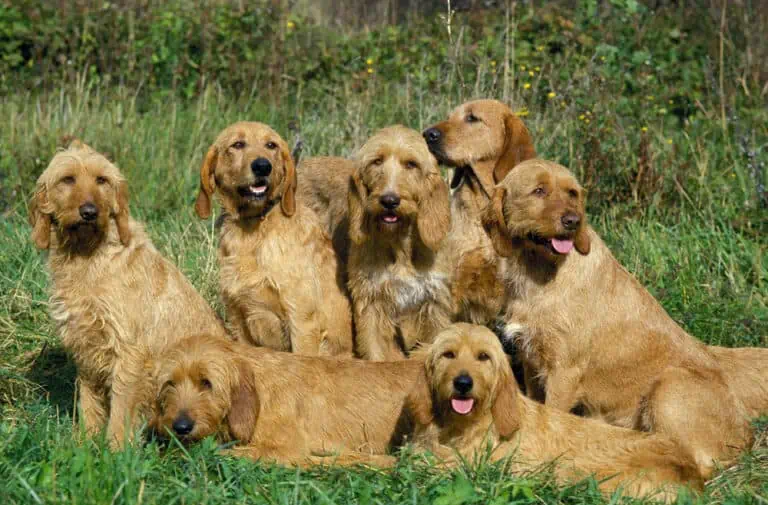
{"x": 483, "y": 140}
{"x": 467, "y": 401}
{"x": 279, "y": 406}
{"x": 398, "y": 217}
{"x": 115, "y": 298}
{"x": 280, "y": 278}
{"x": 596, "y": 338}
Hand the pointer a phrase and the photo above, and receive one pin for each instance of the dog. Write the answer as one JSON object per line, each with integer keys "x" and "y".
{"x": 482, "y": 140}
{"x": 399, "y": 215}
{"x": 280, "y": 279}
{"x": 466, "y": 402}
{"x": 114, "y": 299}
{"x": 279, "y": 406}
{"x": 596, "y": 339}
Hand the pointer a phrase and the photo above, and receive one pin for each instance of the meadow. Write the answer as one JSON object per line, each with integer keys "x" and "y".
{"x": 662, "y": 113}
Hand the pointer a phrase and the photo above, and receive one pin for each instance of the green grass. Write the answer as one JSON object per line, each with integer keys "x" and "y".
{"x": 693, "y": 230}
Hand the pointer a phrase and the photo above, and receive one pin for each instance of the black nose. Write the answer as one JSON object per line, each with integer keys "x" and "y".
{"x": 183, "y": 424}
{"x": 89, "y": 211}
{"x": 570, "y": 221}
{"x": 261, "y": 167}
{"x": 463, "y": 383}
{"x": 389, "y": 201}
{"x": 431, "y": 135}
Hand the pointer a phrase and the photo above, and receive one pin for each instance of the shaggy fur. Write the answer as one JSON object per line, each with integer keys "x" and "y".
{"x": 398, "y": 217}
{"x": 115, "y": 299}
{"x": 280, "y": 406}
{"x": 280, "y": 278}
{"x": 467, "y": 401}
{"x": 595, "y": 338}
{"x": 483, "y": 140}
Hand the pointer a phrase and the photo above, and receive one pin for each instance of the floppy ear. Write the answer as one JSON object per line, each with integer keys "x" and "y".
{"x": 419, "y": 400}
{"x": 518, "y": 147}
{"x": 41, "y": 222}
{"x": 288, "y": 201}
{"x": 505, "y": 412}
{"x": 356, "y": 199}
{"x": 434, "y": 220}
{"x": 244, "y": 410}
{"x": 122, "y": 214}
{"x": 495, "y": 225}
{"x": 581, "y": 241}
{"x": 207, "y": 184}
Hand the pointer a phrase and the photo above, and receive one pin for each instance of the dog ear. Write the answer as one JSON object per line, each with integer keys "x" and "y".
{"x": 207, "y": 184}
{"x": 505, "y": 411}
{"x": 288, "y": 201}
{"x": 356, "y": 196}
{"x": 40, "y": 221}
{"x": 434, "y": 220}
{"x": 122, "y": 214}
{"x": 581, "y": 241}
{"x": 518, "y": 147}
{"x": 495, "y": 225}
{"x": 244, "y": 409}
{"x": 418, "y": 403}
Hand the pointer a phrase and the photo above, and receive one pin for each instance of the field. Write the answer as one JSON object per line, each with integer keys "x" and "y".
{"x": 663, "y": 115}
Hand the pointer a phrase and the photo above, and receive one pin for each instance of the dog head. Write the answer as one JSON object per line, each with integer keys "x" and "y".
{"x": 484, "y": 137}
{"x": 467, "y": 378}
{"x": 397, "y": 184}
{"x": 538, "y": 207}
{"x": 204, "y": 388}
{"x": 77, "y": 196}
{"x": 251, "y": 167}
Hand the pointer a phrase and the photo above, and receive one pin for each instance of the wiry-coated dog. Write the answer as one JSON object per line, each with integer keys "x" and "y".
{"x": 483, "y": 140}
{"x": 466, "y": 401}
{"x": 280, "y": 406}
{"x": 280, "y": 279}
{"x": 398, "y": 217}
{"x": 596, "y": 338}
{"x": 115, "y": 299}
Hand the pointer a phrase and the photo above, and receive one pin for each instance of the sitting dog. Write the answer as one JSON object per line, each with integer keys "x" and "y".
{"x": 280, "y": 279}
{"x": 115, "y": 299}
{"x": 466, "y": 401}
{"x": 595, "y": 338}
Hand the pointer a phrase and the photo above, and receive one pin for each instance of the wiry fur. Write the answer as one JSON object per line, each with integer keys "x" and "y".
{"x": 508, "y": 424}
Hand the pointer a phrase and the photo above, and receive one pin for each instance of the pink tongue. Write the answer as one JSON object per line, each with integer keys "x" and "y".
{"x": 390, "y": 219}
{"x": 562, "y": 246}
{"x": 462, "y": 406}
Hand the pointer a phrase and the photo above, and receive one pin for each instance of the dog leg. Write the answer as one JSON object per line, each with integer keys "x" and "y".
{"x": 376, "y": 335}
{"x": 533, "y": 387}
{"x": 93, "y": 407}
{"x": 563, "y": 389}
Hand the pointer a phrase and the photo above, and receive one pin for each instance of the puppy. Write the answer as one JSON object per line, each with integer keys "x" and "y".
{"x": 282, "y": 407}
{"x": 398, "y": 217}
{"x": 115, "y": 299}
{"x": 482, "y": 140}
{"x": 466, "y": 401}
{"x": 280, "y": 279}
{"x": 595, "y": 338}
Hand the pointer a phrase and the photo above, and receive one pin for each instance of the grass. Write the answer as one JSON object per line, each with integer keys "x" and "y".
{"x": 679, "y": 203}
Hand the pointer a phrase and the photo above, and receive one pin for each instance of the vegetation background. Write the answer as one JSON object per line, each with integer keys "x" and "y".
{"x": 658, "y": 106}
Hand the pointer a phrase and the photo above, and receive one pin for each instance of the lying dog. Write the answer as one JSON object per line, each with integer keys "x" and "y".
{"x": 280, "y": 279}
{"x": 596, "y": 338}
{"x": 466, "y": 401}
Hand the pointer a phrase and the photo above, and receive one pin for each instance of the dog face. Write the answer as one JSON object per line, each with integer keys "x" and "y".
{"x": 251, "y": 167}
{"x": 539, "y": 207}
{"x": 78, "y": 194}
{"x": 202, "y": 389}
{"x": 483, "y": 136}
{"x": 397, "y": 184}
{"x": 467, "y": 377}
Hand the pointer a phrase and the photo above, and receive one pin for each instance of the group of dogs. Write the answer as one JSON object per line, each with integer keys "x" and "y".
{"x": 375, "y": 257}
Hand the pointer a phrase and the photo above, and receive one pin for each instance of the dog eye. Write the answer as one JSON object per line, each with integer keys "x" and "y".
{"x": 378, "y": 161}
{"x": 471, "y": 118}
{"x": 271, "y": 145}
{"x": 573, "y": 193}
{"x": 449, "y": 355}
{"x": 483, "y": 356}
{"x": 539, "y": 191}
{"x": 411, "y": 164}
{"x": 70, "y": 179}
{"x": 101, "y": 180}
{"x": 238, "y": 145}
{"x": 206, "y": 383}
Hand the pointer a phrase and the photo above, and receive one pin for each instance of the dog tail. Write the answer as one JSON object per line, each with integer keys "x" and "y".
{"x": 746, "y": 370}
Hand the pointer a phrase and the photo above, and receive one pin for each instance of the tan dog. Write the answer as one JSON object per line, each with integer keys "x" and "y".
{"x": 596, "y": 338}
{"x": 115, "y": 298}
{"x": 280, "y": 279}
{"x": 467, "y": 399}
{"x": 483, "y": 140}
{"x": 398, "y": 218}
{"x": 280, "y": 406}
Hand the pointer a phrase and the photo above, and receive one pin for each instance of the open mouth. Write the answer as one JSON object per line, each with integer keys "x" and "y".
{"x": 255, "y": 191}
{"x": 462, "y": 406}
{"x": 389, "y": 218}
{"x": 556, "y": 245}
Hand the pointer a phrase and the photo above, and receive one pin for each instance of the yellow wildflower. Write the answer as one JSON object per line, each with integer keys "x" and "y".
{"x": 527, "y": 85}
{"x": 290, "y": 24}
{"x": 552, "y": 94}
{"x": 582, "y": 116}
{"x": 538, "y": 69}
{"x": 370, "y": 70}
{"x": 586, "y": 121}
{"x": 669, "y": 141}
{"x": 522, "y": 67}
{"x": 369, "y": 61}
{"x": 644, "y": 129}
{"x": 522, "y": 112}
{"x": 649, "y": 97}
{"x": 493, "y": 63}
{"x": 531, "y": 73}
